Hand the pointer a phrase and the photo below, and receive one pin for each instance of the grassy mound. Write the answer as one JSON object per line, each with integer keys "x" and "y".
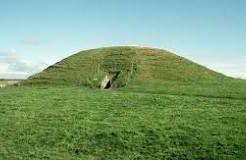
{"x": 135, "y": 65}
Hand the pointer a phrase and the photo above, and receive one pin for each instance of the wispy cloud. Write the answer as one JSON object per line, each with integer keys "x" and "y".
{"x": 32, "y": 41}
{"x": 13, "y": 65}
{"x": 8, "y": 56}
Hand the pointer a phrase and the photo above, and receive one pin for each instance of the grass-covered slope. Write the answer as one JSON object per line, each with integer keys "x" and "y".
{"x": 137, "y": 66}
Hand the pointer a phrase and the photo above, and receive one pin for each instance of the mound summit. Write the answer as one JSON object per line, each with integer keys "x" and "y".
{"x": 121, "y": 66}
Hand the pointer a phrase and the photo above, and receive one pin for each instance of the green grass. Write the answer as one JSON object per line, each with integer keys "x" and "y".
{"x": 78, "y": 123}
{"x": 162, "y": 106}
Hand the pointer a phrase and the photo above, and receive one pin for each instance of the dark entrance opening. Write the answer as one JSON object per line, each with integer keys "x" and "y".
{"x": 109, "y": 79}
{"x": 108, "y": 85}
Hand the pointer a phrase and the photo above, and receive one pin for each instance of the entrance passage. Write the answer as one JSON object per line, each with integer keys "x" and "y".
{"x": 108, "y": 80}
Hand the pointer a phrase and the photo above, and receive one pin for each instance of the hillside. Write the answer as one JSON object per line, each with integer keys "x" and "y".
{"x": 122, "y": 66}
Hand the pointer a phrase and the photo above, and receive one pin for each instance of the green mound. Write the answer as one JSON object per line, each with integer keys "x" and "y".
{"x": 122, "y": 66}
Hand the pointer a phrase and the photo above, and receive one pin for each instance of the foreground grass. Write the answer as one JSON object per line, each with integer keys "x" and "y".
{"x": 73, "y": 123}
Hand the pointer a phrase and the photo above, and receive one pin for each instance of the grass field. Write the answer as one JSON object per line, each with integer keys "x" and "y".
{"x": 178, "y": 121}
{"x": 160, "y": 106}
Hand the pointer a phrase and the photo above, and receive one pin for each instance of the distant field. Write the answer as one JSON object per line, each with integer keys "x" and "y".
{"x": 169, "y": 122}
{"x": 8, "y": 82}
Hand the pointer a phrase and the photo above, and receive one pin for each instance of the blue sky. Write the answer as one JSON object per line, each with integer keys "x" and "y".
{"x": 35, "y": 34}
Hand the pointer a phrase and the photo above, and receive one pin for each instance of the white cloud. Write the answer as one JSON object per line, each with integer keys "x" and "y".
{"x": 13, "y": 75}
{"x": 237, "y": 70}
{"x": 12, "y": 65}
{"x": 3, "y": 67}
